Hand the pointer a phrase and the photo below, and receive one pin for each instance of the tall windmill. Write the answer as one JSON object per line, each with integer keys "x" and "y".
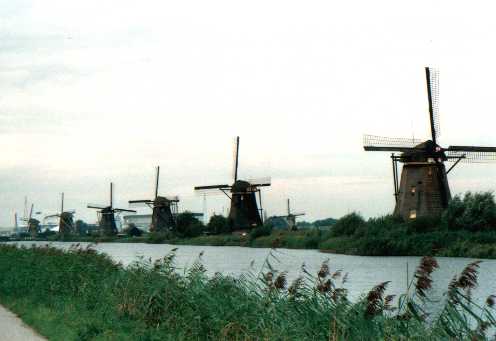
{"x": 66, "y": 218}
{"x": 290, "y": 217}
{"x": 106, "y": 215}
{"x": 164, "y": 209}
{"x": 423, "y": 189}
{"x": 244, "y": 212}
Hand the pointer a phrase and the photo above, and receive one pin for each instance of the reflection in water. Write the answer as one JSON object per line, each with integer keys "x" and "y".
{"x": 364, "y": 272}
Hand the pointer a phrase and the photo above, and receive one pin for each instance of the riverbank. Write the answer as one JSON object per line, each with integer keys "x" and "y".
{"x": 389, "y": 240}
{"x": 82, "y": 295}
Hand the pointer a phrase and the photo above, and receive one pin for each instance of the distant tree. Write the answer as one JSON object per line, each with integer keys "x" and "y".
{"x": 325, "y": 222}
{"x": 473, "y": 212}
{"x": 133, "y": 231}
{"x": 304, "y": 224}
{"x": 218, "y": 224}
{"x": 348, "y": 224}
{"x": 261, "y": 231}
{"x": 81, "y": 227}
{"x": 277, "y": 223}
{"x": 188, "y": 225}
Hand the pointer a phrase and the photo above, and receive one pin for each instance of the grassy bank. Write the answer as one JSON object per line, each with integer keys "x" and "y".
{"x": 82, "y": 295}
{"x": 384, "y": 236}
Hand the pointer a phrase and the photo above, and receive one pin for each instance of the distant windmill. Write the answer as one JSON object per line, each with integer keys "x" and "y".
{"x": 423, "y": 189}
{"x": 244, "y": 212}
{"x": 291, "y": 217}
{"x": 66, "y": 218}
{"x": 33, "y": 224}
{"x": 165, "y": 209}
{"x": 106, "y": 215}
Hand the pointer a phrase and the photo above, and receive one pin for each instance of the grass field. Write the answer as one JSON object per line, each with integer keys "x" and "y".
{"x": 81, "y": 295}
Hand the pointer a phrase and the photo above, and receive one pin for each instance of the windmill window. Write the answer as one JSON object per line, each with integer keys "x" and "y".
{"x": 413, "y": 214}
{"x": 413, "y": 190}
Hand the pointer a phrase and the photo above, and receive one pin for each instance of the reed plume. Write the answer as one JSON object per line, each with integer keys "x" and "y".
{"x": 423, "y": 275}
{"x": 375, "y": 300}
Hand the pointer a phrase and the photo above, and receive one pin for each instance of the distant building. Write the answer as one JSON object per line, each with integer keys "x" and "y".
{"x": 143, "y": 221}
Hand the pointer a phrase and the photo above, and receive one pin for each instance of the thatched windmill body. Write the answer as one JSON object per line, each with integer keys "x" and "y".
{"x": 423, "y": 188}
{"x": 66, "y": 219}
{"x": 291, "y": 217}
{"x": 244, "y": 213}
{"x": 164, "y": 209}
{"x": 106, "y": 215}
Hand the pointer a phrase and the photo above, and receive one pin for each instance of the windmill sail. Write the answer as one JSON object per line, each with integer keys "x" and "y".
{"x": 236, "y": 158}
{"x": 432, "y": 77}
{"x": 471, "y": 154}
{"x": 389, "y": 144}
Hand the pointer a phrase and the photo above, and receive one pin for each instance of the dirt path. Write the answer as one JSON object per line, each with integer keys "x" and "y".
{"x": 13, "y": 329}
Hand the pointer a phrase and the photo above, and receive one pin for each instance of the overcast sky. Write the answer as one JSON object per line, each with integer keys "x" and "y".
{"x": 100, "y": 91}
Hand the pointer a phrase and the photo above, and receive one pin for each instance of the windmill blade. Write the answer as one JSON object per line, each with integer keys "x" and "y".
{"x": 432, "y": 77}
{"x": 235, "y": 158}
{"x": 96, "y": 206}
{"x": 471, "y": 154}
{"x": 140, "y": 203}
{"x": 260, "y": 182}
{"x": 123, "y": 210}
{"x": 157, "y": 179}
{"x": 145, "y": 201}
{"x": 472, "y": 149}
{"x": 212, "y": 191}
{"x": 298, "y": 214}
{"x": 202, "y": 188}
{"x": 389, "y": 144}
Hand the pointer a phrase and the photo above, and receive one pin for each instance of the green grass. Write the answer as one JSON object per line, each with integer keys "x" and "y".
{"x": 81, "y": 295}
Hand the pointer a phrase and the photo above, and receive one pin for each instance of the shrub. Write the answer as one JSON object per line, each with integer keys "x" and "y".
{"x": 188, "y": 226}
{"x": 133, "y": 231}
{"x": 475, "y": 212}
{"x": 424, "y": 224}
{"x": 261, "y": 231}
{"x": 218, "y": 224}
{"x": 347, "y": 225}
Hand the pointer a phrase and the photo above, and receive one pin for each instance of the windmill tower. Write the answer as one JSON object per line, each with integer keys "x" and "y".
{"x": 106, "y": 215}
{"x": 66, "y": 218}
{"x": 291, "y": 217}
{"x": 33, "y": 224}
{"x": 164, "y": 209}
{"x": 244, "y": 212}
{"x": 423, "y": 190}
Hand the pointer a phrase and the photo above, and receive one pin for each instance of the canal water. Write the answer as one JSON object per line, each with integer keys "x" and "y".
{"x": 363, "y": 272}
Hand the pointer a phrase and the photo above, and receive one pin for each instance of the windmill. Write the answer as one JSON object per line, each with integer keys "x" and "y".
{"x": 106, "y": 215}
{"x": 244, "y": 212}
{"x": 423, "y": 188}
{"x": 32, "y": 223}
{"x": 290, "y": 217}
{"x": 66, "y": 218}
{"x": 164, "y": 209}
